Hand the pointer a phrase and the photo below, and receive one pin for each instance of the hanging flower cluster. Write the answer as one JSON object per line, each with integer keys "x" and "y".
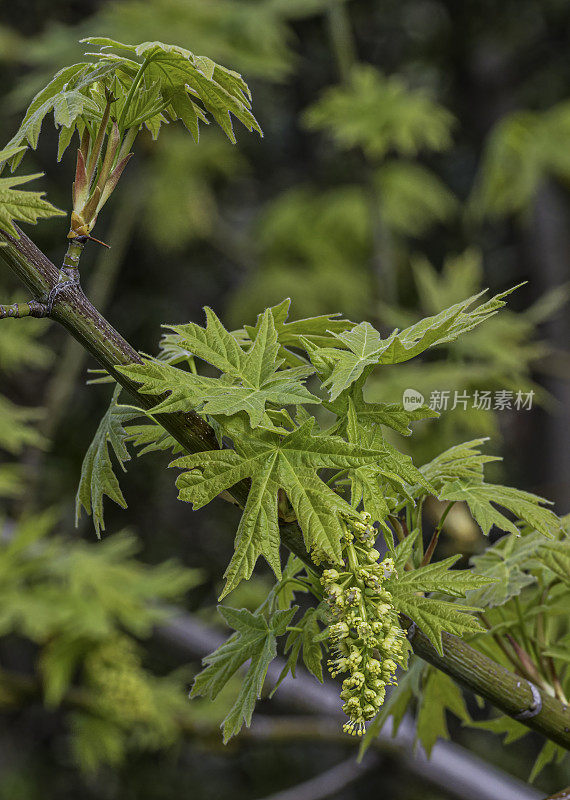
{"x": 365, "y": 638}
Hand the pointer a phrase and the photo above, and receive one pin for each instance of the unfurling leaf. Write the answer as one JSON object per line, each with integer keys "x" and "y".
{"x": 149, "y": 84}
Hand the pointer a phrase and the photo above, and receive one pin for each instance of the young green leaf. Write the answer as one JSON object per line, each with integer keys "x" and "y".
{"x": 151, "y": 437}
{"x": 255, "y": 639}
{"x": 404, "y": 551}
{"x": 17, "y": 205}
{"x": 550, "y": 752}
{"x": 434, "y": 617}
{"x": 251, "y": 378}
{"x": 58, "y": 662}
{"x": 149, "y": 83}
{"x": 70, "y": 97}
{"x": 17, "y": 429}
{"x": 379, "y": 114}
{"x": 412, "y": 198}
{"x": 362, "y": 348}
{"x": 302, "y": 641}
{"x": 464, "y": 461}
{"x": 393, "y": 415}
{"x": 512, "y": 732}
{"x": 173, "y": 70}
{"x": 505, "y": 561}
{"x": 320, "y": 331}
{"x": 439, "y": 694}
{"x": 524, "y": 505}
{"x": 97, "y": 475}
{"x": 439, "y": 577}
{"x": 562, "y": 653}
{"x": 395, "y": 468}
{"x": 275, "y": 461}
{"x": 6, "y": 153}
{"x": 556, "y": 557}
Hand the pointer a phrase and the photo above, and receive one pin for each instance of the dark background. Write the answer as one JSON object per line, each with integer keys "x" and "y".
{"x": 193, "y": 226}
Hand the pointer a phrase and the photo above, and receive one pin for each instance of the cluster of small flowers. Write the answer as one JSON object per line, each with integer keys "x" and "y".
{"x": 114, "y": 672}
{"x": 365, "y": 637}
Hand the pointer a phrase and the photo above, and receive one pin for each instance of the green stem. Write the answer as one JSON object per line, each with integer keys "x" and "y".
{"x": 73, "y": 310}
{"x": 131, "y": 93}
{"x": 528, "y": 667}
{"x": 396, "y": 524}
{"x": 435, "y": 537}
{"x": 70, "y": 267}
{"x": 19, "y": 310}
{"x": 555, "y": 680}
{"x": 511, "y": 657}
{"x": 526, "y": 641}
{"x": 547, "y": 664}
{"x": 419, "y": 524}
{"x": 127, "y": 144}
{"x": 502, "y": 688}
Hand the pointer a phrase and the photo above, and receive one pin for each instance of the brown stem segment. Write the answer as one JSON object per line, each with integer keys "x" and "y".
{"x": 71, "y": 308}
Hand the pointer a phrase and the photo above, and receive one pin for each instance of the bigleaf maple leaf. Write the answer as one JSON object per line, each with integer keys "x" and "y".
{"x": 251, "y": 378}
{"x": 20, "y": 205}
{"x": 276, "y": 461}
{"x": 362, "y": 348}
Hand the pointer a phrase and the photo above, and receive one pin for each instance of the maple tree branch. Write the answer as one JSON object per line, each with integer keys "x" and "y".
{"x": 513, "y": 695}
{"x": 71, "y": 308}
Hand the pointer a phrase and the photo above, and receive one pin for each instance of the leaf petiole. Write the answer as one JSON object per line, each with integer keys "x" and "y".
{"x": 435, "y": 538}
{"x": 131, "y": 93}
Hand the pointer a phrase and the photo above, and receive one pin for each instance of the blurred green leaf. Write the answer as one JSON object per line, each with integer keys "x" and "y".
{"x": 381, "y": 114}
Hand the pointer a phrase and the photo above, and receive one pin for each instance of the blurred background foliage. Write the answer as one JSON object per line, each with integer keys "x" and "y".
{"x": 415, "y": 152}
